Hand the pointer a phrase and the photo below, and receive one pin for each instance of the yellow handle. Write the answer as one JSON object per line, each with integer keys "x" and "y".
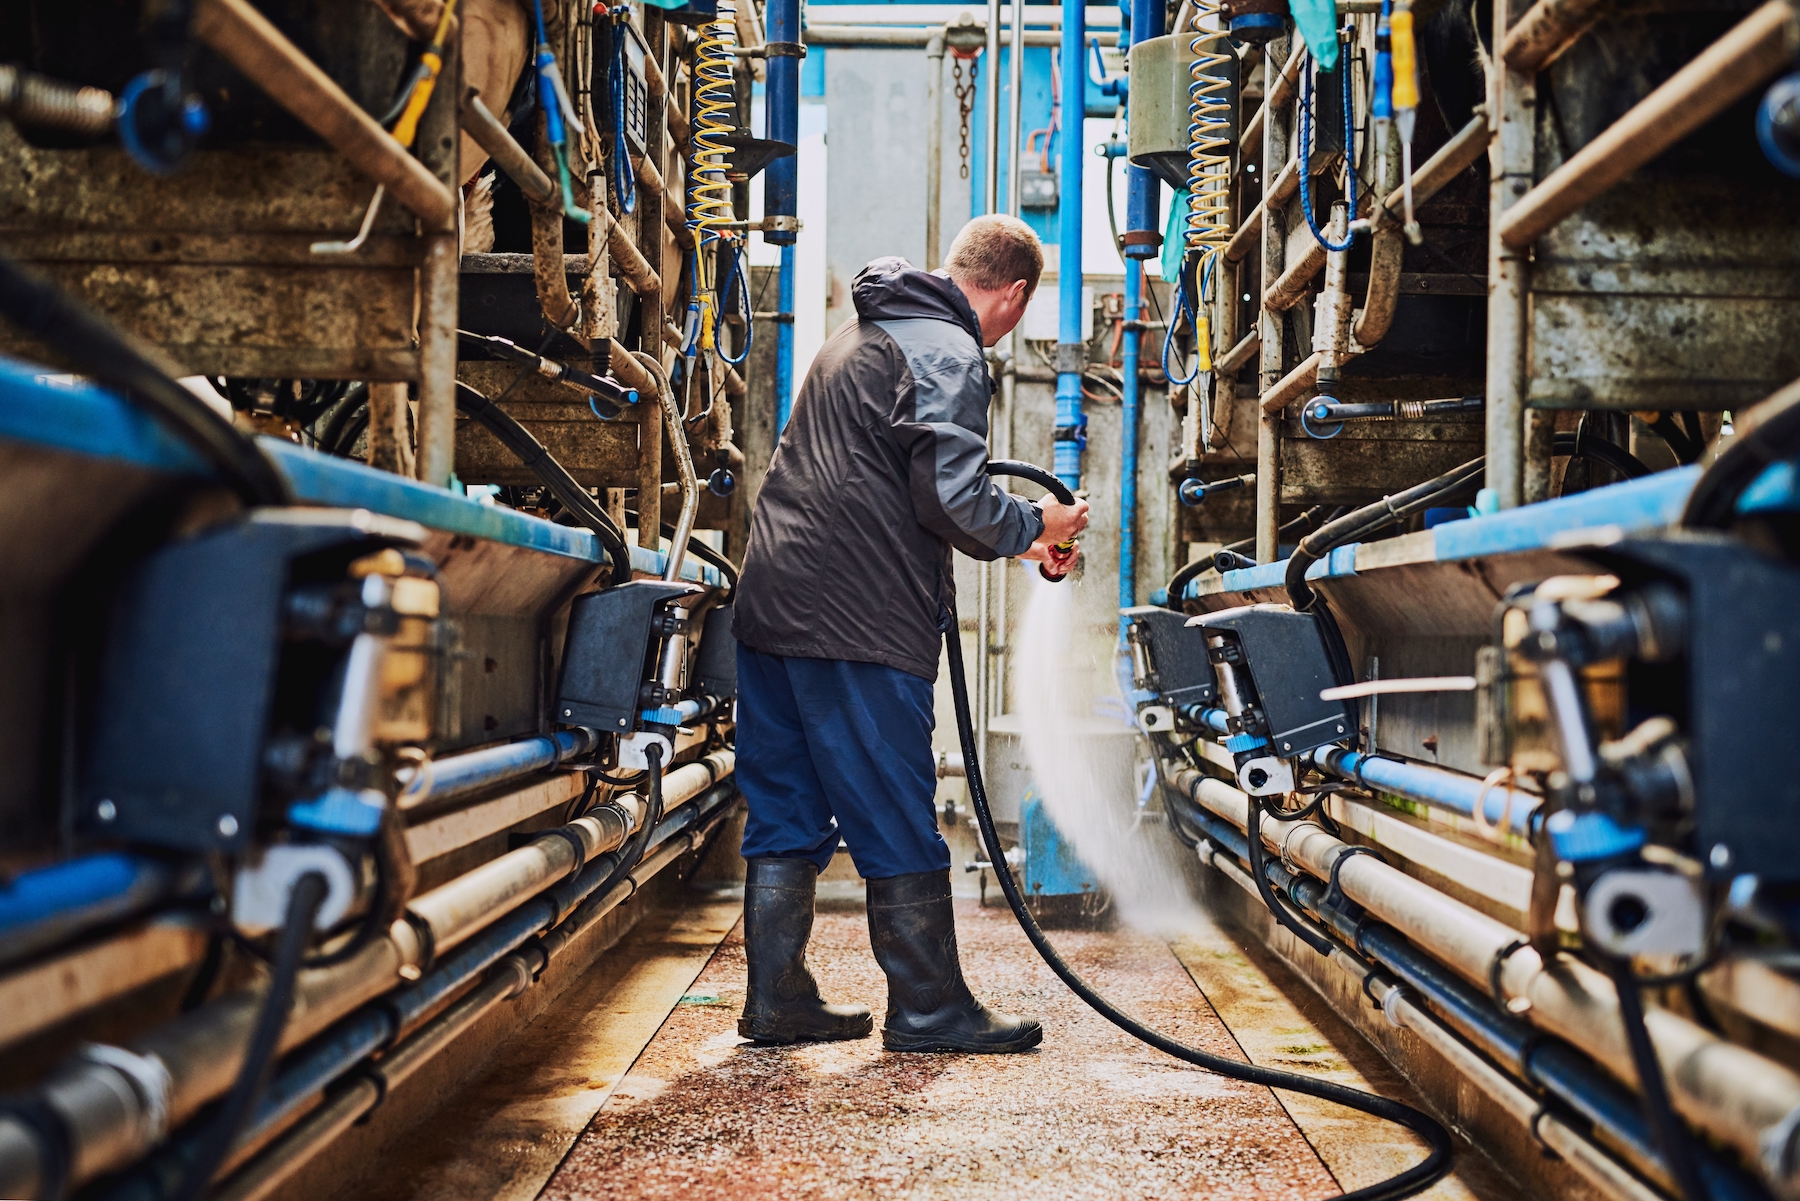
{"x": 1203, "y": 338}
{"x": 1406, "y": 71}
{"x": 407, "y": 128}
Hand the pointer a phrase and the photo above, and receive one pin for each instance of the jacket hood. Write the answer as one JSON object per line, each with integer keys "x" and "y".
{"x": 892, "y": 289}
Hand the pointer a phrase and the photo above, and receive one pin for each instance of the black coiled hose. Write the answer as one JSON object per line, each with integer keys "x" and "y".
{"x": 1413, "y": 1180}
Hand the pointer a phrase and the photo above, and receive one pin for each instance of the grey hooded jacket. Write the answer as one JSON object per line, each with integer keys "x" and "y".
{"x": 878, "y": 475}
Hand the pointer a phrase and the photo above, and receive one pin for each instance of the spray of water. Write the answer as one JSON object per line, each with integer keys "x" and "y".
{"x": 1082, "y": 766}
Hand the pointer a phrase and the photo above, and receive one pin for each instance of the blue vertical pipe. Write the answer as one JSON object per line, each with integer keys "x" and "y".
{"x": 1071, "y": 351}
{"x": 781, "y": 182}
{"x": 1143, "y": 202}
{"x": 1128, "y": 439}
{"x": 784, "y": 343}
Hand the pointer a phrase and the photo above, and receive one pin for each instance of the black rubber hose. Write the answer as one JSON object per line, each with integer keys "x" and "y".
{"x": 1765, "y": 433}
{"x": 215, "y": 1144}
{"x": 1413, "y": 1180}
{"x": 1318, "y": 941}
{"x": 1591, "y": 446}
{"x": 1306, "y": 523}
{"x": 98, "y": 349}
{"x": 1034, "y": 473}
{"x": 1671, "y": 1135}
{"x": 555, "y": 477}
{"x": 1359, "y": 523}
{"x": 355, "y": 400}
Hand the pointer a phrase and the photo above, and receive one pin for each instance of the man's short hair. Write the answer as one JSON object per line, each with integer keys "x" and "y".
{"x": 994, "y": 252}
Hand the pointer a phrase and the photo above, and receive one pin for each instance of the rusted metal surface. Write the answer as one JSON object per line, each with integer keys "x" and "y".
{"x": 1091, "y": 1114}
{"x": 1638, "y": 302}
{"x": 599, "y": 454}
{"x": 1759, "y": 46}
{"x": 252, "y": 44}
{"x": 1547, "y": 29}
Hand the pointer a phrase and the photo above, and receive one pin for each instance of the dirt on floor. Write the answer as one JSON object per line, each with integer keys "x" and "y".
{"x": 1090, "y": 1114}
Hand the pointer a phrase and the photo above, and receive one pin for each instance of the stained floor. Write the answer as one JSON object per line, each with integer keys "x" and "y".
{"x": 1091, "y": 1114}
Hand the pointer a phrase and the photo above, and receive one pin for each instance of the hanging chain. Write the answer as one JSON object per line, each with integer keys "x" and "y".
{"x": 965, "y": 104}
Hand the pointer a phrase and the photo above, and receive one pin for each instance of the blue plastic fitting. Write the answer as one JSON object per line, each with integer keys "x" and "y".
{"x": 1586, "y": 837}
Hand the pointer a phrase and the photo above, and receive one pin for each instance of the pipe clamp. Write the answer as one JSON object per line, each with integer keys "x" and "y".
{"x": 784, "y": 49}
{"x": 149, "y": 1078}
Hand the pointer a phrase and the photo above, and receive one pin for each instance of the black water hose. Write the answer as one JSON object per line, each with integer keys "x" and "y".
{"x": 543, "y": 464}
{"x": 1413, "y": 1180}
{"x": 1308, "y": 521}
{"x": 1585, "y": 444}
{"x": 96, "y": 348}
{"x": 1052, "y": 485}
{"x": 1358, "y": 524}
{"x": 1672, "y": 1136}
{"x": 1765, "y": 434}
{"x": 308, "y": 894}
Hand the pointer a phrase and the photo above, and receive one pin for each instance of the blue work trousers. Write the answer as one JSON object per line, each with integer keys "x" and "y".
{"x": 829, "y": 748}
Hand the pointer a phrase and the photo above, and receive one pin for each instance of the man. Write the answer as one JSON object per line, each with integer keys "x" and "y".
{"x": 846, "y": 591}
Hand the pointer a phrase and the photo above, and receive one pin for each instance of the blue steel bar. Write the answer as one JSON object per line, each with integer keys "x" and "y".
{"x": 47, "y": 906}
{"x": 1436, "y": 786}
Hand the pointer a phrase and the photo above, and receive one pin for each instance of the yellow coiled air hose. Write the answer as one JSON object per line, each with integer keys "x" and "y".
{"x": 709, "y": 211}
{"x": 1209, "y": 158}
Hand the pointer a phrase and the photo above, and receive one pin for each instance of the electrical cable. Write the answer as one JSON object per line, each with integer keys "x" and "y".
{"x": 1307, "y": 75}
{"x": 308, "y": 894}
{"x": 1672, "y": 1136}
{"x": 1413, "y": 1180}
{"x": 742, "y": 277}
{"x": 100, "y": 350}
{"x": 562, "y": 485}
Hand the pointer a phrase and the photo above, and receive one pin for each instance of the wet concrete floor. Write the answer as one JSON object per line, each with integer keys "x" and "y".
{"x": 635, "y": 1085}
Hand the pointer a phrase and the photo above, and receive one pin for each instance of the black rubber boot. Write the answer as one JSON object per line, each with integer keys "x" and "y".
{"x": 912, "y": 927}
{"x": 783, "y": 1004}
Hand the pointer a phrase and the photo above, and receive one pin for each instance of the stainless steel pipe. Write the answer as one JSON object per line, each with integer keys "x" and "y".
{"x": 1735, "y": 1095}
{"x": 119, "y": 1104}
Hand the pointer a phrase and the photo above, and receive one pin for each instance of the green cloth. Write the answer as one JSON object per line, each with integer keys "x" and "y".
{"x": 1174, "y": 246}
{"x": 1317, "y": 22}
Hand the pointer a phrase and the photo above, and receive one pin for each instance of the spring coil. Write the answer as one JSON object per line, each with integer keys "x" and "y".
{"x": 1209, "y": 135}
{"x": 714, "y": 119}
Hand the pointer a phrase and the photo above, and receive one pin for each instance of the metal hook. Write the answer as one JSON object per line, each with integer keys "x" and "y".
{"x": 362, "y": 235}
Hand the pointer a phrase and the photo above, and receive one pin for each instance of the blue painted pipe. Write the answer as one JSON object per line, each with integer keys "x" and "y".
{"x": 1438, "y": 786}
{"x": 1071, "y": 350}
{"x": 41, "y": 908}
{"x": 1214, "y": 719}
{"x": 1128, "y": 440}
{"x": 784, "y": 342}
{"x": 1143, "y": 198}
{"x": 346, "y": 1043}
{"x": 462, "y": 774}
{"x": 781, "y": 183}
